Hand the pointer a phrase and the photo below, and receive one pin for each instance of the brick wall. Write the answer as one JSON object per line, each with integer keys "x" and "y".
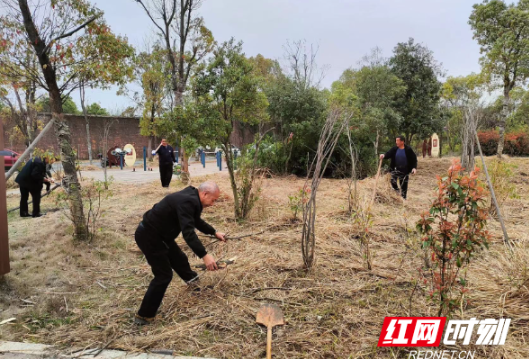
{"x": 123, "y": 130}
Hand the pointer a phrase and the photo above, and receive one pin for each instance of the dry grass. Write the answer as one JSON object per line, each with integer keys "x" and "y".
{"x": 79, "y": 295}
{"x": 11, "y": 184}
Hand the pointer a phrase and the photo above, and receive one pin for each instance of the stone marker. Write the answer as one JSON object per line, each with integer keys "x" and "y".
{"x": 435, "y": 145}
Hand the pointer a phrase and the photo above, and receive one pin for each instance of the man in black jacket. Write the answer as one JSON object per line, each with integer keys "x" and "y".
{"x": 166, "y": 158}
{"x": 31, "y": 180}
{"x": 156, "y": 234}
{"x": 403, "y": 162}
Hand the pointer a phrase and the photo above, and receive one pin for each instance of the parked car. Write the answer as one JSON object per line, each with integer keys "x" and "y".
{"x": 9, "y": 161}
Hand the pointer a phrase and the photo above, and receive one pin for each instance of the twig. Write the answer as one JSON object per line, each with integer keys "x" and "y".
{"x": 231, "y": 238}
{"x": 269, "y": 288}
{"x": 101, "y": 285}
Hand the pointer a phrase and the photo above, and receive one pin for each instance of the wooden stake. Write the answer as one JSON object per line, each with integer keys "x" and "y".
{"x": 30, "y": 148}
{"x": 506, "y": 240}
{"x": 4, "y": 240}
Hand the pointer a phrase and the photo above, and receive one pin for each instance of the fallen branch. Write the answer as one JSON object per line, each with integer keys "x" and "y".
{"x": 231, "y": 238}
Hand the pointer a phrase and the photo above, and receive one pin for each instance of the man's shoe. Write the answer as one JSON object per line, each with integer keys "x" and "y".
{"x": 139, "y": 320}
{"x": 25, "y": 215}
{"x": 38, "y": 215}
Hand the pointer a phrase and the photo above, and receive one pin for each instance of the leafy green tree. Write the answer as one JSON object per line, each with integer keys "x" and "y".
{"x": 415, "y": 65}
{"x": 229, "y": 87}
{"x": 297, "y": 113}
{"x": 378, "y": 91}
{"x": 502, "y": 31}
{"x": 95, "y": 109}
{"x": 68, "y": 105}
{"x": 152, "y": 73}
{"x": 72, "y": 43}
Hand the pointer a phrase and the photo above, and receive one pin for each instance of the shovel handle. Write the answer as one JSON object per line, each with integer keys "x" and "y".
{"x": 269, "y": 343}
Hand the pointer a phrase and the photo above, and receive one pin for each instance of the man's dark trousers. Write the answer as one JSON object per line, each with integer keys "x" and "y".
{"x": 166, "y": 174}
{"x": 163, "y": 258}
{"x": 403, "y": 178}
{"x": 24, "y": 196}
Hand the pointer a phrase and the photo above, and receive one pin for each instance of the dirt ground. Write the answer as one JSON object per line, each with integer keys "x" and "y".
{"x": 79, "y": 295}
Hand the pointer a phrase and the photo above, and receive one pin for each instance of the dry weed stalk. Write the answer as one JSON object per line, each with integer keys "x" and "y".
{"x": 330, "y": 133}
{"x": 352, "y": 182}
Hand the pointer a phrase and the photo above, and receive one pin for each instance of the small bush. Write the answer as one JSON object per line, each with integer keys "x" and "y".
{"x": 516, "y": 143}
{"x": 453, "y": 231}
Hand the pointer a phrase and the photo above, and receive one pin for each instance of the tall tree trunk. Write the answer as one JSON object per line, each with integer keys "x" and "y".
{"x": 464, "y": 143}
{"x": 85, "y": 113}
{"x": 62, "y": 129}
{"x": 376, "y": 143}
{"x": 23, "y": 118}
{"x": 503, "y": 119}
{"x": 229, "y": 163}
{"x": 150, "y": 147}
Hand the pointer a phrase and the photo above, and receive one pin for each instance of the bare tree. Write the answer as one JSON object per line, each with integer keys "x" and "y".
{"x": 351, "y": 183}
{"x": 301, "y": 64}
{"x": 330, "y": 133}
{"x": 107, "y": 125}
{"x": 187, "y": 41}
{"x": 82, "y": 95}
{"x": 464, "y": 95}
{"x": 15, "y": 74}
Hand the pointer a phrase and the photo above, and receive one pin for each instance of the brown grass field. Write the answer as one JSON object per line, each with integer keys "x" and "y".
{"x": 78, "y": 295}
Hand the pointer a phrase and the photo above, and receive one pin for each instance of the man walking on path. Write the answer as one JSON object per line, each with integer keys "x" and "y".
{"x": 166, "y": 158}
{"x": 156, "y": 234}
{"x": 31, "y": 180}
{"x": 403, "y": 162}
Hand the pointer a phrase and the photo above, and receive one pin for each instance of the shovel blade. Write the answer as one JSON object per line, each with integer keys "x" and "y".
{"x": 270, "y": 315}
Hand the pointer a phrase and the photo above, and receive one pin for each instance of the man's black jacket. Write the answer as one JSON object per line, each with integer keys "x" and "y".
{"x": 179, "y": 212}
{"x": 32, "y": 174}
{"x": 411, "y": 157}
{"x": 166, "y": 155}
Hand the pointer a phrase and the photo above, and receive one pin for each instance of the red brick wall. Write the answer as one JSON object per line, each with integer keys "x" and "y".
{"x": 123, "y": 130}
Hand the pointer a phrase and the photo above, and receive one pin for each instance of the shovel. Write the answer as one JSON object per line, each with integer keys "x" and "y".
{"x": 270, "y": 315}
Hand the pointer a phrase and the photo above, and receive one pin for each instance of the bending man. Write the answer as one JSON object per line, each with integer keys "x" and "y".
{"x": 31, "y": 180}
{"x": 403, "y": 162}
{"x": 156, "y": 234}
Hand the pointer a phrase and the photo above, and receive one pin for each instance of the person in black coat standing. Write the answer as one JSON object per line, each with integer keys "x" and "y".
{"x": 403, "y": 162}
{"x": 166, "y": 158}
{"x": 176, "y": 213}
{"x": 31, "y": 180}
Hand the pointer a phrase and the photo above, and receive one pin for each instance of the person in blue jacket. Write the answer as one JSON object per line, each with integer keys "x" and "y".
{"x": 403, "y": 163}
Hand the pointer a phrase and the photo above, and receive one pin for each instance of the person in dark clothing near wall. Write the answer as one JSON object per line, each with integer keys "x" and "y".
{"x": 166, "y": 158}
{"x": 31, "y": 180}
{"x": 403, "y": 162}
{"x": 176, "y": 213}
